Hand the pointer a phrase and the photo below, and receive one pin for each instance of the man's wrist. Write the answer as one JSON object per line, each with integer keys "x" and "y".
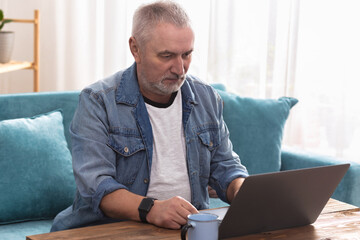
{"x": 144, "y": 208}
{"x": 233, "y": 188}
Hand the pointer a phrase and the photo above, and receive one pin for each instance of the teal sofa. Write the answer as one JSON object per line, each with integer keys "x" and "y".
{"x": 36, "y": 180}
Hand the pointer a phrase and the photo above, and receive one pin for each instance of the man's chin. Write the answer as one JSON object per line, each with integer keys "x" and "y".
{"x": 170, "y": 88}
{"x": 170, "y": 91}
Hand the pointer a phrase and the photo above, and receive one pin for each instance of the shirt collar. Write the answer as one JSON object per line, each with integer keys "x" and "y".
{"x": 128, "y": 91}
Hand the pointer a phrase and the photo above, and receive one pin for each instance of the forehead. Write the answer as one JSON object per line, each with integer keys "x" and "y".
{"x": 168, "y": 37}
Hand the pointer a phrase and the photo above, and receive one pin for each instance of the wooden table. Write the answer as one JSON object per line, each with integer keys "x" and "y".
{"x": 338, "y": 220}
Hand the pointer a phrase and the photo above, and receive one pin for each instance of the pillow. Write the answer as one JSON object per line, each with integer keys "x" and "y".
{"x": 36, "y": 178}
{"x": 256, "y": 129}
{"x": 219, "y": 86}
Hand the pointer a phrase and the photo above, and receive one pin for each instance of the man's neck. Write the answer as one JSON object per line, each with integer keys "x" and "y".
{"x": 161, "y": 104}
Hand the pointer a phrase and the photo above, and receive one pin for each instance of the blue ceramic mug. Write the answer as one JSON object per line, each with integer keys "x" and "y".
{"x": 201, "y": 226}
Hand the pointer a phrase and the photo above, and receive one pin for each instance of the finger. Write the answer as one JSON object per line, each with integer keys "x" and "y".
{"x": 189, "y": 207}
{"x": 180, "y": 219}
{"x": 213, "y": 194}
{"x": 174, "y": 225}
{"x": 182, "y": 213}
{"x": 183, "y": 210}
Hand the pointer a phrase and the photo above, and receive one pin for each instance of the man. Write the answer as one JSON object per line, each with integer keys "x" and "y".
{"x": 148, "y": 141}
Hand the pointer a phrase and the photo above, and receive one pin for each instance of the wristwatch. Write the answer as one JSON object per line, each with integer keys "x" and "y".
{"x": 145, "y": 207}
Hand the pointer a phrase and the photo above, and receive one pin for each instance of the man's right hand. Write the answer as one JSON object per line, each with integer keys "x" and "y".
{"x": 171, "y": 213}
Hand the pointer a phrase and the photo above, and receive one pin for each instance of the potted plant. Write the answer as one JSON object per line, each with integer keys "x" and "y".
{"x": 6, "y": 40}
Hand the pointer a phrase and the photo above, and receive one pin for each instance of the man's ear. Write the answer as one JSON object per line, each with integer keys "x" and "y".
{"x": 134, "y": 48}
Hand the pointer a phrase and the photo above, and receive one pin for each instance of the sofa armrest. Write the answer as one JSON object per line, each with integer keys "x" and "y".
{"x": 349, "y": 188}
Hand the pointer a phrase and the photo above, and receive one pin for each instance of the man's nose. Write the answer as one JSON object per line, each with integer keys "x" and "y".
{"x": 178, "y": 66}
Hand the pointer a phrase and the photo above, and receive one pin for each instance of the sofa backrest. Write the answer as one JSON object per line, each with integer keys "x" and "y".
{"x": 256, "y": 128}
{"x": 32, "y": 104}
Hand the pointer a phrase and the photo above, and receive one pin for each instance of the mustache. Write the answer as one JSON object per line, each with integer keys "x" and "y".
{"x": 175, "y": 77}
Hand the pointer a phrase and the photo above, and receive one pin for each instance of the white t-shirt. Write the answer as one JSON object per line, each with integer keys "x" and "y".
{"x": 169, "y": 175}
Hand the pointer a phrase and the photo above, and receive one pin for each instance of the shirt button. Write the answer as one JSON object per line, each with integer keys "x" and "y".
{"x": 126, "y": 149}
{"x": 146, "y": 181}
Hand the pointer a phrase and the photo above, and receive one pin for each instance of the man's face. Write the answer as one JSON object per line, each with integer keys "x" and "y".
{"x": 164, "y": 60}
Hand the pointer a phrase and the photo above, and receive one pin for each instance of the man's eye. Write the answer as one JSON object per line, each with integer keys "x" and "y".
{"x": 187, "y": 54}
{"x": 166, "y": 56}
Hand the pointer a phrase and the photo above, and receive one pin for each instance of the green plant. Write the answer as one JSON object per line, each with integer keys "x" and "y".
{"x": 2, "y": 21}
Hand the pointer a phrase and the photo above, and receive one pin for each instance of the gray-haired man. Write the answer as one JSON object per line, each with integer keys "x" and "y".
{"x": 147, "y": 141}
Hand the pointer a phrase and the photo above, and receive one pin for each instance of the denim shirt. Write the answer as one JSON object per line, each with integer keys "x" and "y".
{"x": 112, "y": 145}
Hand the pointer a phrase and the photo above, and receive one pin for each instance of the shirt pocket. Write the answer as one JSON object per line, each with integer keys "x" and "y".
{"x": 209, "y": 135}
{"x": 131, "y": 154}
{"x": 209, "y": 140}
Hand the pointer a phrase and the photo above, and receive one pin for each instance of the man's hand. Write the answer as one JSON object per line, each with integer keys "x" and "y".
{"x": 212, "y": 192}
{"x": 171, "y": 213}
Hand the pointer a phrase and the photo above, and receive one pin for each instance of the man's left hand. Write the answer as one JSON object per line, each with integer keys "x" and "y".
{"x": 212, "y": 192}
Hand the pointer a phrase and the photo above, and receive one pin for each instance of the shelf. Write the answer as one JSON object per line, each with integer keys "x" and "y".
{"x": 14, "y": 65}
{"x": 18, "y": 65}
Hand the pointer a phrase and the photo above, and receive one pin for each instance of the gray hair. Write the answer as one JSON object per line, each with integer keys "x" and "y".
{"x": 147, "y": 16}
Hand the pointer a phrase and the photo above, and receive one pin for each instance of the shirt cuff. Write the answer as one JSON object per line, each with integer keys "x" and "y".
{"x": 107, "y": 186}
{"x": 225, "y": 184}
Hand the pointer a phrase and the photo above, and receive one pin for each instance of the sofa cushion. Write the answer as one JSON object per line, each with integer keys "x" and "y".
{"x": 36, "y": 180}
{"x": 19, "y": 231}
{"x": 256, "y": 129}
{"x": 21, "y": 105}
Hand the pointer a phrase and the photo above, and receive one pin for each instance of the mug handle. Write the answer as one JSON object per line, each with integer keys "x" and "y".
{"x": 184, "y": 230}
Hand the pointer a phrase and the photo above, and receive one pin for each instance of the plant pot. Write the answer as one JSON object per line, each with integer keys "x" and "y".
{"x": 6, "y": 45}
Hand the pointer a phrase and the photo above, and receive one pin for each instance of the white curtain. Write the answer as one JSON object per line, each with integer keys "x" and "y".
{"x": 327, "y": 82}
{"x": 244, "y": 44}
{"x": 307, "y": 49}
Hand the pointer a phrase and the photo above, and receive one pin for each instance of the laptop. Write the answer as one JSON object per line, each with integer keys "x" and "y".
{"x": 279, "y": 200}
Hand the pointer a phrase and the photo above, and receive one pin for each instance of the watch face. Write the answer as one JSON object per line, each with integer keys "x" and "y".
{"x": 146, "y": 204}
